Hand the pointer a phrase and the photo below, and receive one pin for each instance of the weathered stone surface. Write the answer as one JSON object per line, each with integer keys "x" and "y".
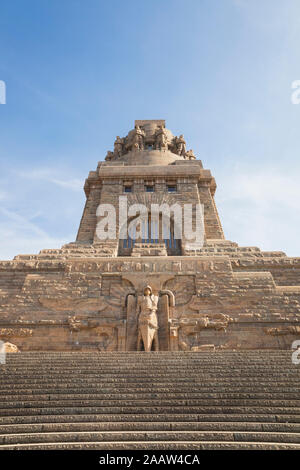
{"x": 84, "y": 296}
{"x": 165, "y": 400}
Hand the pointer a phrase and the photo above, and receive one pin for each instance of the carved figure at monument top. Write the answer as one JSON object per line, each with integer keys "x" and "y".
{"x": 118, "y": 147}
{"x": 190, "y": 155}
{"x": 138, "y": 139}
{"x": 161, "y": 140}
{"x": 180, "y": 145}
{"x": 109, "y": 156}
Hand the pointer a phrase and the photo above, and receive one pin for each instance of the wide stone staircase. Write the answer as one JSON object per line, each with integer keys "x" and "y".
{"x": 159, "y": 400}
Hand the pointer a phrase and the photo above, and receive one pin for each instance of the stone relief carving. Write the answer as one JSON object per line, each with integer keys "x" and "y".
{"x": 21, "y": 332}
{"x": 191, "y": 343}
{"x": 75, "y": 305}
{"x": 283, "y": 330}
{"x": 104, "y": 342}
{"x": 107, "y": 339}
{"x": 190, "y": 329}
{"x": 183, "y": 288}
{"x": 101, "y": 333}
{"x": 77, "y": 324}
{"x": 216, "y": 321}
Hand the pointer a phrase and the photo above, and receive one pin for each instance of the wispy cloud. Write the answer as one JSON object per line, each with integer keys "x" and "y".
{"x": 3, "y": 195}
{"x": 33, "y": 214}
{"x": 51, "y": 176}
{"x": 21, "y": 222}
{"x": 73, "y": 184}
{"x": 20, "y": 235}
{"x": 260, "y": 208}
{"x": 263, "y": 187}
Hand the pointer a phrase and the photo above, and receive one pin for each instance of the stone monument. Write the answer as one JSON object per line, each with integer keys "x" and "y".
{"x": 90, "y": 294}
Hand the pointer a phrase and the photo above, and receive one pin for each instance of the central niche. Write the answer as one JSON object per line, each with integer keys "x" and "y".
{"x": 151, "y": 231}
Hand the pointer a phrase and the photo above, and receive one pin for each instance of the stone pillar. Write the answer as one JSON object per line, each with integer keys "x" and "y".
{"x": 163, "y": 323}
{"x": 122, "y": 336}
{"x": 88, "y": 221}
{"x": 131, "y": 329}
{"x": 213, "y": 227}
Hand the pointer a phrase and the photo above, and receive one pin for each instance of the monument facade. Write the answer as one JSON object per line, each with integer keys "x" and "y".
{"x": 152, "y": 292}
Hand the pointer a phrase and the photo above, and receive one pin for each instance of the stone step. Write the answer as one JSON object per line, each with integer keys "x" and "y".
{"x": 148, "y": 373}
{"x": 132, "y": 362}
{"x": 134, "y": 355}
{"x": 149, "y": 426}
{"x": 189, "y": 361}
{"x": 145, "y": 418}
{"x": 162, "y": 365}
{"x": 108, "y": 354}
{"x": 111, "y": 381}
{"x": 62, "y": 408}
{"x": 139, "y": 358}
{"x": 155, "y": 445}
{"x": 146, "y": 381}
{"x": 123, "y": 357}
{"x": 132, "y": 403}
{"x": 156, "y": 354}
{"x": 110, "y": 436}
{"x": 205, "y": 365}
{"x": 264, "y": 391}
{"x": 119, "y": 397}
{"x": 150, "y": 357}
{"x": 163, "y": 400}
{"x": 89, "y": 386}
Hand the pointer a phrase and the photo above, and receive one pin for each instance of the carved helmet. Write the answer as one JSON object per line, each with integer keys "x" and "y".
{"x": 148, "y": 287}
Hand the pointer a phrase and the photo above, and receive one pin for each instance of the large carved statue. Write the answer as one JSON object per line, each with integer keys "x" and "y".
{"x": 138, "y": 139}
{"x": 180, "y": 145}
{"x": 161, "y": 140}
{"x": 190, "y": 155}
{"x": 109, "y": 156}
{"x": 147, "y": 320}
{"x": 118, "y": 147}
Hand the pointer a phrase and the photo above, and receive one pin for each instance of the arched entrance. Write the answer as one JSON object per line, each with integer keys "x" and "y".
{"x": 156, "y": 230}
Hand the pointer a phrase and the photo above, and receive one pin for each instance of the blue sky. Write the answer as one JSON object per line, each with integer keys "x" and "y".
{"x": 79, "y": 72}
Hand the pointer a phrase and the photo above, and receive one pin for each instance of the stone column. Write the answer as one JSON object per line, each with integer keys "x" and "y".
{"x": 88, "y": 221}
{"x": 122, "y": 336}
{"x": 213, "y": 227}
{"x": 174, "y": 338}
{"x": 131, "y": 323}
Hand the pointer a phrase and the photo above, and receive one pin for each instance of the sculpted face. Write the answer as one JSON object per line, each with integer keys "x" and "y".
{"x": 147, "y": 291}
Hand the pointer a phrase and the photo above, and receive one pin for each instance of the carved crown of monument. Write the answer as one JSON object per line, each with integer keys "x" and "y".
{"x": 149, "y": 142}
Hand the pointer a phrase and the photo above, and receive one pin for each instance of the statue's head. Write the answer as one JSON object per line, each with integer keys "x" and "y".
{"x": 147, "y": 291}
